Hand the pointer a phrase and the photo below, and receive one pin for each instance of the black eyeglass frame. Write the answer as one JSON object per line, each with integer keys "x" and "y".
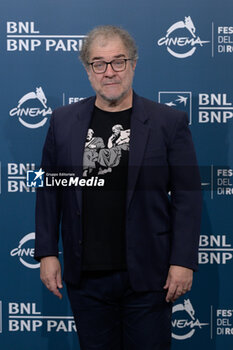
{"x": 107, "y": 63}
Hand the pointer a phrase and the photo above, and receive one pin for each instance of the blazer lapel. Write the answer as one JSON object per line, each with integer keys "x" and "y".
{"x": 139, "y": 132}
{"x": 78, "y": 138}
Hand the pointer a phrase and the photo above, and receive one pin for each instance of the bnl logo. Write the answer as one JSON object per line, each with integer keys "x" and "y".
{"x": 35, "y": 178}
{"x": 181, "y": 100}
{"x": 17, "y": 177}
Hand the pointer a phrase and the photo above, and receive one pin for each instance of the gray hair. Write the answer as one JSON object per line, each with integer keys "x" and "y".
{"x": 117, "y": 127}
{"x": 107, "y": 32}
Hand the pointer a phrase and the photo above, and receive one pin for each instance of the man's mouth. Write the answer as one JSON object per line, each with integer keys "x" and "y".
{"x": 111, "y": 83}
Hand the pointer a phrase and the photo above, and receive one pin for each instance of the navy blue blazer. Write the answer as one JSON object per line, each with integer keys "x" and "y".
{"x": 161, "y": 229}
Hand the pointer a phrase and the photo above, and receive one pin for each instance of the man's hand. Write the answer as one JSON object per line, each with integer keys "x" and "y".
{"x": 179, "y": 281}
{"x": 50, "y": 274}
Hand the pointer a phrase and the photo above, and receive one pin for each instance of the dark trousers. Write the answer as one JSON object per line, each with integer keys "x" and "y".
{"x": 109, "y": 315}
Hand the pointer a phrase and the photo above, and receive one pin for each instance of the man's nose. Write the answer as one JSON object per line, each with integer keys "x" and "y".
{"x": 109, "y": 71}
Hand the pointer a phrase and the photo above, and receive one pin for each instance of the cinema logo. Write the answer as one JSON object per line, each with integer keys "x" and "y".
{"x": 25, "y": 36}
{"x": 181, "y": 40}
{"x": 32, "y": 110}
{"x": 25, "y": 251}
{"x": 215, "y": 249}
{"x": 25, "y": 317}
{"x": 214, "y": 108}
{"x": 184, "y": 322}
{"x": 17, "y": 174}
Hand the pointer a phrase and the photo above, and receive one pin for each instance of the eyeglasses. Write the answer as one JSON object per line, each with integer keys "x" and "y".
{"x": 118, "y": 65}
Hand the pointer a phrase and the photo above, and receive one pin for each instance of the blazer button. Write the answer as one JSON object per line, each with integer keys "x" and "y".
{"x": 80, "y": 242}
{"x": 78, "y": 212}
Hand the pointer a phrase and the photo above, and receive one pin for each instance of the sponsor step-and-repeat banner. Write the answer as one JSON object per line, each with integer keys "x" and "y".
{"x": 185, "y": 61}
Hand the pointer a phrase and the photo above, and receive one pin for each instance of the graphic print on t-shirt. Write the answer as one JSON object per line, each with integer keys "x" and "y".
{"x": 104, "y": 157}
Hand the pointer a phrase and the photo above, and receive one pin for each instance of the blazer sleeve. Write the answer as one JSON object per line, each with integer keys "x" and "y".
{"x": 186, "y": 197}
{"x": 48, "y": 206}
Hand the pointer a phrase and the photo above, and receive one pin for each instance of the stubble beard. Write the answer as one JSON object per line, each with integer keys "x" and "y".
{"x": 113, "y": 101}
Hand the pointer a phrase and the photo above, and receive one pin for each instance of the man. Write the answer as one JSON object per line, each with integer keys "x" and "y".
{"x": 117, "y": 142}
{"x": 90, "y": 156}
{"x": 129, "y": 249}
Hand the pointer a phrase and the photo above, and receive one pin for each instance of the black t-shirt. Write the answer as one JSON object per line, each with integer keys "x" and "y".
{"x": 106, "y": 156}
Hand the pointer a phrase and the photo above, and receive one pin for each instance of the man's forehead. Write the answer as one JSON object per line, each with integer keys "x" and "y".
{"x": 102, "y": 46}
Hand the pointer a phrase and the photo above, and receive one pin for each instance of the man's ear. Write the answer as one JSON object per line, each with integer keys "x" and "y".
{"x": 87, "y": 69}
{"x": 134, "y": 65}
